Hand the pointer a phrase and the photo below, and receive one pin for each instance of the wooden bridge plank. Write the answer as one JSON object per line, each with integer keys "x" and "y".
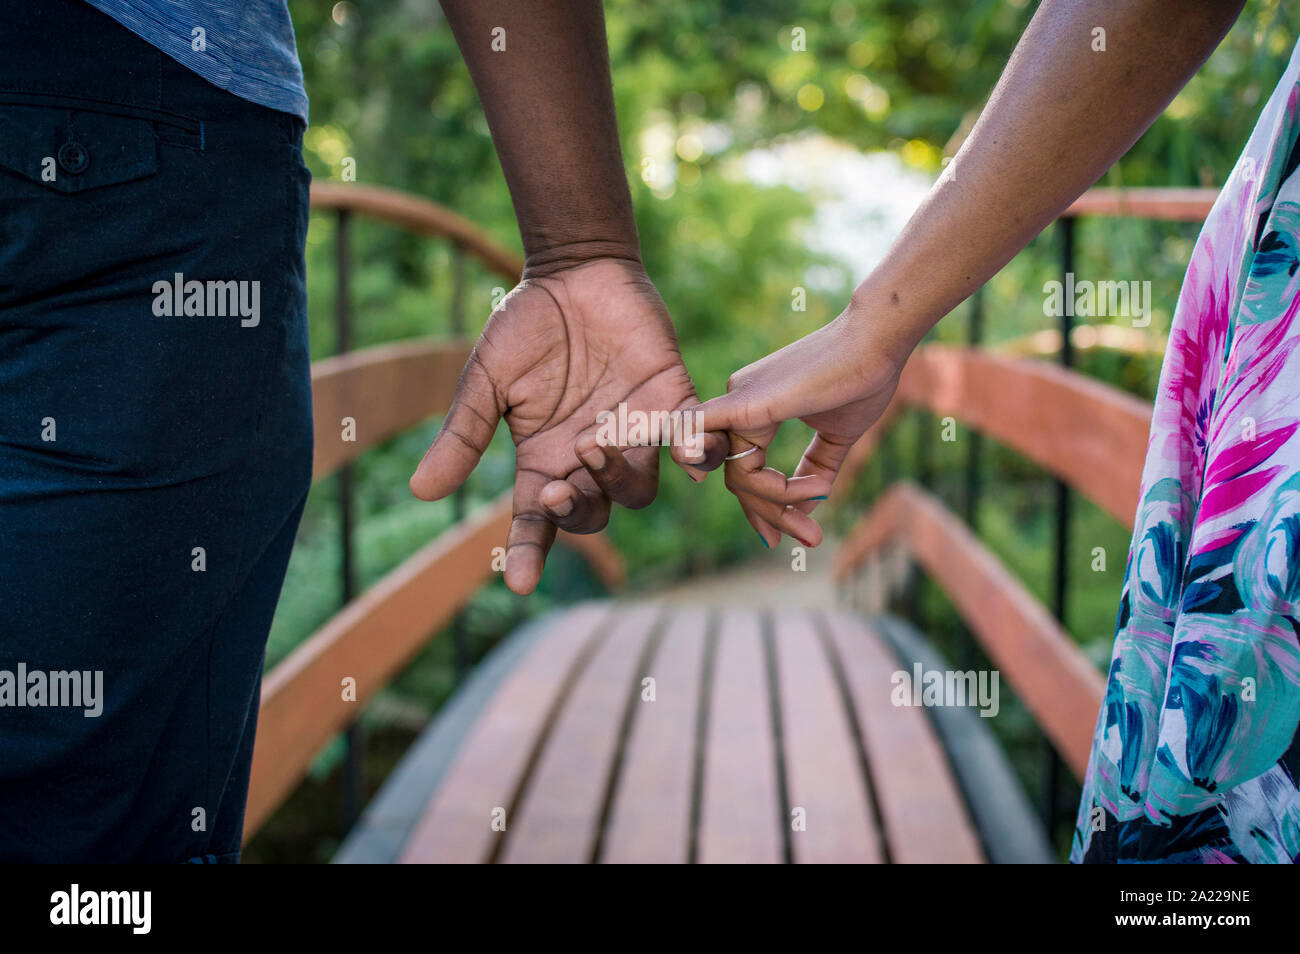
{"x": 650, "y": 817}
{"x": 822, "y": 764}
{"x": 559, "y": 816}
{"x": 923, "y": 814}
{"x": 456, "y": 827}
{"x": 740, "y": 810}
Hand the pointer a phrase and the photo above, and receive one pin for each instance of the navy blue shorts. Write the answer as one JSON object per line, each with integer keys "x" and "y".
{"x": 155, "y": 437}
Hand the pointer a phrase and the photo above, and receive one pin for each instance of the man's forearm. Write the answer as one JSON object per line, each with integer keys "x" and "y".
{"x": 542, "y": 73}
{"x": 1060, "y": 116}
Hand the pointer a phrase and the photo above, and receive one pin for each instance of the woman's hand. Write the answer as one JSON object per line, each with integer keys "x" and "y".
{"x": 1011, "y": 177}
{"x": 1021, "y": 166}
{"x": 837, "y": 380}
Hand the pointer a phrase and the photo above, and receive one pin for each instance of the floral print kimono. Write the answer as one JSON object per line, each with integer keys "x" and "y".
{"x": 1196, "y": 756}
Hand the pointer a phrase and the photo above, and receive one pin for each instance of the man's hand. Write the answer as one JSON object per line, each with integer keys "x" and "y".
{"x": 586, "y": 329}
{"x": 558, "y": 350}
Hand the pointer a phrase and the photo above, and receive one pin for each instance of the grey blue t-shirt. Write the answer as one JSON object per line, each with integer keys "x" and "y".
{"x": 244, "y": 46}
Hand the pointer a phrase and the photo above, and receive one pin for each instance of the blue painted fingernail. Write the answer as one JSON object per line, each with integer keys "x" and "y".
{"x": 765, "y": 543}
{"x": 811, "y": 499}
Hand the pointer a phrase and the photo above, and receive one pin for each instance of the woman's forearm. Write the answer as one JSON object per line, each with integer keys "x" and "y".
{"x": 1062, "y": 113}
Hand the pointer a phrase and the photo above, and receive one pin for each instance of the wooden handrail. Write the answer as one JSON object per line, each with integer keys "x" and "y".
{"x": 1053, "y": 678}
{"x": 382, "y": 391}
{"x": 421, "y": 216}
{"x": 1090, "y": 435}
{"x": 1161, "y": 204}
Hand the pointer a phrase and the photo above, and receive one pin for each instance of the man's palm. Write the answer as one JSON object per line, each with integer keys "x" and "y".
{"x": 556, "y": 352}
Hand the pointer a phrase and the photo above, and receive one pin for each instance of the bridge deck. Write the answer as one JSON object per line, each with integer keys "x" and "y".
{"x": 663, "y": 732}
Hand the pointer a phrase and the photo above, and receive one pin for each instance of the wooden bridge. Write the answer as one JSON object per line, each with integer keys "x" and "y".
{"x": 738, "y": 719}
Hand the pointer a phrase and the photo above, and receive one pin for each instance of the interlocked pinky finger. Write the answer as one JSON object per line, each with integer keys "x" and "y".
{"x": 768, "y": 483}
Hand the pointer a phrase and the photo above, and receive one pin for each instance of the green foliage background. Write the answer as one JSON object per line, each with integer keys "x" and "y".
{"x": 388, "y": 89}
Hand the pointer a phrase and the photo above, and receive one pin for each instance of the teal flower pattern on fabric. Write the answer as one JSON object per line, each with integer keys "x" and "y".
{"x": 1196, "y": 756}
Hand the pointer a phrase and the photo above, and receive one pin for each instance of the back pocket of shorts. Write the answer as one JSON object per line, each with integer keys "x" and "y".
{"x": 70, "y": 151}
